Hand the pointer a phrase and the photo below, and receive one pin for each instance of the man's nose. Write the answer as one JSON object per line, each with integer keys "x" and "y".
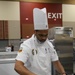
{"x": 44, "y": 37}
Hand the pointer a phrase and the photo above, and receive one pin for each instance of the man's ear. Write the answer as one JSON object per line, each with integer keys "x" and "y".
{"x": 35, "y": 32}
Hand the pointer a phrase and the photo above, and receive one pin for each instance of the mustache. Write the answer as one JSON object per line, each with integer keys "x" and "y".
{"x": 42, "y": 40}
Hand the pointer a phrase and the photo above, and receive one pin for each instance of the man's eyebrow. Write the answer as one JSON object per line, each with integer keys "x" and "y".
{"x": 43, "y": 34}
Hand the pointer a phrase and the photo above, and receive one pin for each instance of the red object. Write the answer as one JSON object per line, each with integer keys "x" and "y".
{"x": 54, "y": 10}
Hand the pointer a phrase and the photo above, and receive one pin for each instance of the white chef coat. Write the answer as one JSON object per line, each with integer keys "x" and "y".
{"x": 37, "y": 57}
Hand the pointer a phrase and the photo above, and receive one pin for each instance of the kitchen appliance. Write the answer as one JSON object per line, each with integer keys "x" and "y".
{"x": 62, "y": 39}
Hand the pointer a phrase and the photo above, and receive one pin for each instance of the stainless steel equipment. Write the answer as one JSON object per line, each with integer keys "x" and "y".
{"x": 63, "y": 42}
{"x": 60, "y": 30}
{"x": 7, "y": 62}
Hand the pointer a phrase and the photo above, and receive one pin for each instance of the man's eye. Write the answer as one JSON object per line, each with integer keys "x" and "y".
{"x": 41, "y": 35}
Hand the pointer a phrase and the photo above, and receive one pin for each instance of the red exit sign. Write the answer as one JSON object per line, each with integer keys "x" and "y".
{"x": 54, "y": 12}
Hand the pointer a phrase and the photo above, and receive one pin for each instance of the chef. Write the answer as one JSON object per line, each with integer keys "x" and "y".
{"x": 36, "y": 54}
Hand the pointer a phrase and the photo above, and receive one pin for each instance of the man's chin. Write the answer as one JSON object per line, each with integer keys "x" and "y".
{"x": 41, "y": 42}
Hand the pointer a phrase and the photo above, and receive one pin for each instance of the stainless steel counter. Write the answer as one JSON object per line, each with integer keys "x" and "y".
{"x": 7, "y": 63}
{"x": 7, "y": 57}
{"x": 8, "y": 60}
{"x": 8, "y": 53}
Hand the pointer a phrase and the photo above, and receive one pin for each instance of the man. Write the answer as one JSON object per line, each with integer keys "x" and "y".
{"x": 37, "y": 53}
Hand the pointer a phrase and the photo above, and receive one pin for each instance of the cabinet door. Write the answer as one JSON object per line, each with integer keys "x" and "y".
{"x": 14, "y": 29}
{"x": 5, "y": 29}
{"x": 1, "y": 29}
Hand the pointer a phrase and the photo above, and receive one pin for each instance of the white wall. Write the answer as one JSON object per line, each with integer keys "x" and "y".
{"x": 68, "y": 17}
{"x": 68, "y": 12}
{"x": 9, "y": 10}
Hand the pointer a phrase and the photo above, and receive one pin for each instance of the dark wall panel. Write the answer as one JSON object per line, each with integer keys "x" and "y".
{"x": 54, "y": 13}
{"x": 26, "y": 12}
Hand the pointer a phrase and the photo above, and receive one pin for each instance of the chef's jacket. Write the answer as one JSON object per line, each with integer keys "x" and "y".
{"x": 36, "y": 56}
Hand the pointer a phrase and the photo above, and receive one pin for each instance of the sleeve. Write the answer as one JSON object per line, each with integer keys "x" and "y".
{"x": 54, "y": 56}
{"x": 22, "y": 54}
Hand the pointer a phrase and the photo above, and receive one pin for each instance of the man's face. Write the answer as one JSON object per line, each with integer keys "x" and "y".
{"x": 41, "y": 35}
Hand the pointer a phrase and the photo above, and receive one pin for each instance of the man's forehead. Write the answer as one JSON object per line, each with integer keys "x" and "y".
{"x": 41, "y": 31}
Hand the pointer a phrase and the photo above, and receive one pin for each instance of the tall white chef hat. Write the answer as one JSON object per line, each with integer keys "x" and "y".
{"x": 40, "y": 19}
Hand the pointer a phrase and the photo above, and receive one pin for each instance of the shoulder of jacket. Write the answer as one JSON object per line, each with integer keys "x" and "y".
{"x": 26, "y": 43}
{"x": 50, "y": 43}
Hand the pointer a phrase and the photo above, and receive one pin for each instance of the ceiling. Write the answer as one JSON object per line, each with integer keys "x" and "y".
{"x": 47, "y": 1}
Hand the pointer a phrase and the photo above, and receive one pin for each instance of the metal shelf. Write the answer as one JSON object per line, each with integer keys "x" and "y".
{"x": 8, "y": 53}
